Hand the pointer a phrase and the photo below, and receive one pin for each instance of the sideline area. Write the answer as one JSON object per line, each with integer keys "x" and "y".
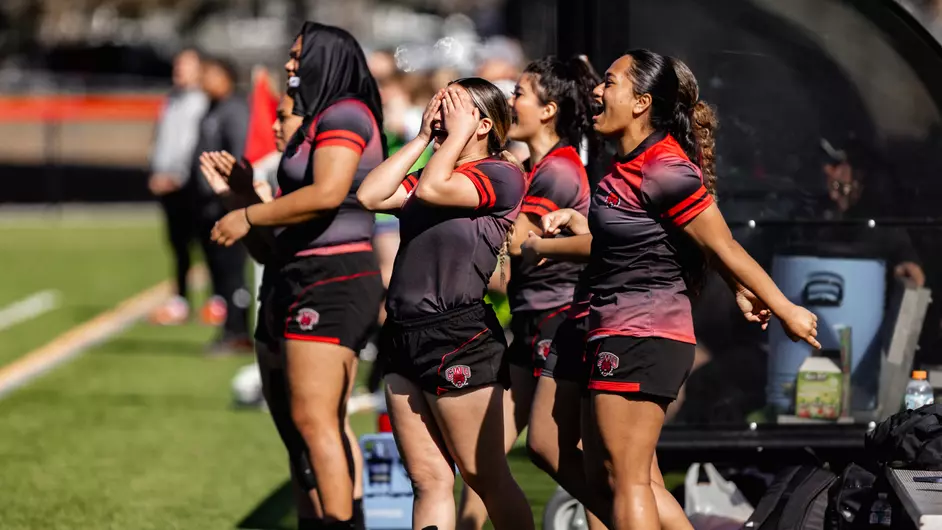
{"x": 87, "y": 334}
{"x": 139, "y": 430}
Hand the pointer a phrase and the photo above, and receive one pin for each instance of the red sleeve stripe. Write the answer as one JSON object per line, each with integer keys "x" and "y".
{"x": 535, "y": 209}
{"x": 341, "y": 142}
{"x": 483, "y": 185}
{"x": 410, "y": 183}
{"x": 341, "y": 133}
{"x": 482, "y": 192}
{"x": 693, "y": 210}
{"x": 542, "y": 201}
{"x": 694, "y": 197}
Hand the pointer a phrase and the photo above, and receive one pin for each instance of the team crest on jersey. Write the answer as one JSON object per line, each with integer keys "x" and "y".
{"x": 607, "y": 363}
{"x": 458, "y": 375}
{"x": 307, "y": 318}
{"x": 612, "y": 200}
{"x": 543, "y": 348}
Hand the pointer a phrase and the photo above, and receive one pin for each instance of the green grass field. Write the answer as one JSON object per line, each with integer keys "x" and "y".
{"x": 93, "y": 266}
{"x": 138, "y": 432}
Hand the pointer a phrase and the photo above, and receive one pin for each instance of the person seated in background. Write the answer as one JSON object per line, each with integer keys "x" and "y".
{"x": 730, "y": 386}
{"x": 856, "y": 191}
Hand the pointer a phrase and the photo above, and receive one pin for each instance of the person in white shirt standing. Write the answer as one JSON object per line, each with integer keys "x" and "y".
{"x": 171, "y": 160}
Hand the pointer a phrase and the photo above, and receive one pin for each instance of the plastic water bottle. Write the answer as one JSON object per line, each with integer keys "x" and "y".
{"x": 918, "y": 391}
{"x": 881, "y": 513}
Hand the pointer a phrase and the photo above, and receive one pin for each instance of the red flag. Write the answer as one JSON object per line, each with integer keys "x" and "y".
{"x": 260, "y": 140}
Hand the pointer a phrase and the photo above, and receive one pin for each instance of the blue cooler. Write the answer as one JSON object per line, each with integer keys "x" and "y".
{"x": 387, "y": 490}
{"x": 841, "y": 292}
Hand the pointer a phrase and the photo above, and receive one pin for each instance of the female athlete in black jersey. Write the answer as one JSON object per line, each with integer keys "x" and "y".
{"x": 322, "y": 290}
{"x": 652, "y": 226}
{"x": 446, "y": 366}
{"x": 221, "y": 170}
{"x": 551, "y": 111}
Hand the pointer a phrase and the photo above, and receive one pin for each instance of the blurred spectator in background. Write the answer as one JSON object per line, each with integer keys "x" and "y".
{"x": 502, "y": 66}
{"x": 223, "y": 128}
{"x": 174, "y": 146}
{"x": 441, "y": 77}
{"x": 382, "y": 64}
{"x": 852, "y": 177}
{"x": 501, "y": 72}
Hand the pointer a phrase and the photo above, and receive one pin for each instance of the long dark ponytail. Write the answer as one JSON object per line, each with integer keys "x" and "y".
{"x": 569, "y": 84}
{"x": 676, "y": 107}
{"x": 695, "y": 124}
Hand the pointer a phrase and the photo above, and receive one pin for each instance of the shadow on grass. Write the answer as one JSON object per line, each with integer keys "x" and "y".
{"x": 276, "y": 512}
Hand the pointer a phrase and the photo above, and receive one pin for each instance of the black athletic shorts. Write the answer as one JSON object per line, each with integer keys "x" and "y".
{"x": 533, "y": 335}
{"x": 567, "y": 357}
{"x": 458, "y": 349}
{"x": 650, "y": 366}
{"x": 333, "y": 299}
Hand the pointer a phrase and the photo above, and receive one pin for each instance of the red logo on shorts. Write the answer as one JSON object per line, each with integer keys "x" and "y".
{"x": 308, "y": 318}
{"x": 607, "y": 363}
{"x": 458, "y": 375}
{"x": 543, "y": 348}
{"x": 612, "y": 200}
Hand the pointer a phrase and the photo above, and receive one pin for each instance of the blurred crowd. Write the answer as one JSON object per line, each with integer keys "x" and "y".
{"x": 406, "y": 90}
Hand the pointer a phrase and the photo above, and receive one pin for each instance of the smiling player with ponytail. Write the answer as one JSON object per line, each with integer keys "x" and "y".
{"x": 653, "y": 224}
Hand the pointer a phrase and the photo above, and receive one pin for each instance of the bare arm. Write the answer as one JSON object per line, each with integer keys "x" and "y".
{"x": 440, "y": 185}
{"x": 217, "y": 169}
{"x": 259, "y": 241}
{"x": 574, "y": 249}
{"x": 338, "y": 164}
{"x": 712, "y": 235}
{"x": 525, "y": 224}
{"x": 382, "y": 189}
{"x": 554, "y": 222}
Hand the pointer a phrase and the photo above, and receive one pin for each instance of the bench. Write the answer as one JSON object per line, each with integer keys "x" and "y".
{"x": 921, "y": 500}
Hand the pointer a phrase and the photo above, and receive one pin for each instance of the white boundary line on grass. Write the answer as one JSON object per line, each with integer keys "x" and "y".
{"x": 28, "y": 308}
{"x": 85, "y": 335}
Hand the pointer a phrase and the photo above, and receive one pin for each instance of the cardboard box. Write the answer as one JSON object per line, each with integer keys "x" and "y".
{"x": 818, "y": 392}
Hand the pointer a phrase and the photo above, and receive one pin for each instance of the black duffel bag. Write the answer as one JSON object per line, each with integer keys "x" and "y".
{"x": 911, "y": 439}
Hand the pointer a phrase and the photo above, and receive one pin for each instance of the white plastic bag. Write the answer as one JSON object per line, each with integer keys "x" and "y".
{"x": 717, "y": 496}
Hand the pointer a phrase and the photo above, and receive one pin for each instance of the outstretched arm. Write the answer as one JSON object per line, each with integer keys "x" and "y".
{"x": 709, "y": 230}
{"x": 339, "y": 164}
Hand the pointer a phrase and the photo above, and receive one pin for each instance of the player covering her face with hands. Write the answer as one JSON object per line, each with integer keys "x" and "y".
{"x": 446, "y": 370}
